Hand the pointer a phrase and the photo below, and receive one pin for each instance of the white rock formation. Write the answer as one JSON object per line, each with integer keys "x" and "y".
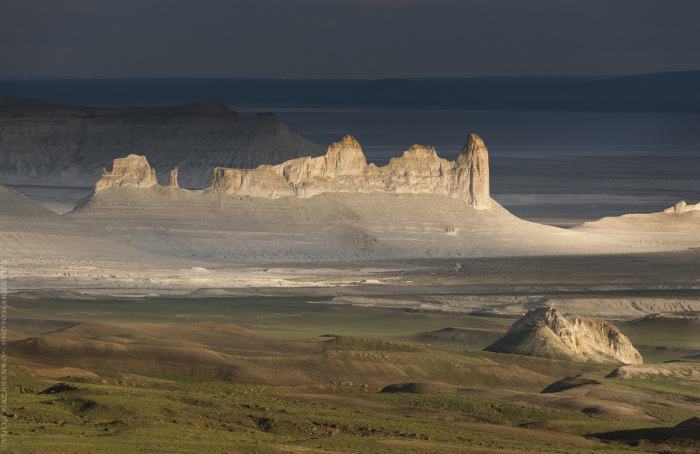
{"x": 173, "y": 179}
{"x": 477, "y": 161}
{"x": 416, "y": 206}
{"x": 130, "y": 172}
{"x": 344, "y": 169}
{"x": 681, "y": 207}
{"x": 545, "y": 332}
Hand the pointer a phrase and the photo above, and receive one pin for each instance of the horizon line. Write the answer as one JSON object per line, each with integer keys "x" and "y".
{"x": 176, "y": 77}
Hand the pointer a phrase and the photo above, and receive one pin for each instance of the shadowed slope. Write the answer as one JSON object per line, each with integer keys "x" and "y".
{"x": 29, "y": 230}
{"x": 59, "y": 141}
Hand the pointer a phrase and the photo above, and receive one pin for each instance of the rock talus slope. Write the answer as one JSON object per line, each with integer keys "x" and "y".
{"x": 334, "y": 207}
{"x": 545, "y": 332}
{"x": 338, "y": 207}
{"x": 30, "y": 230}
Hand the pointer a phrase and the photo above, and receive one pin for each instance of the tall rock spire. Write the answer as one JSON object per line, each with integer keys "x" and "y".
{"x": 173, "y": 179}
{"x": 477, "y": 161}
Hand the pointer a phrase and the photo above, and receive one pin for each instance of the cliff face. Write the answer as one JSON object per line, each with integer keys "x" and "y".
{"x": 55, "y": 141}
{"x": 545, "y": 332}
{"x": 344, "y": 169}
{"x": 130, "y": 172}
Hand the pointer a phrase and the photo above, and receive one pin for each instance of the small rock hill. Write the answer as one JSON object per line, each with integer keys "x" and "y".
{"x": 545, "y": 332}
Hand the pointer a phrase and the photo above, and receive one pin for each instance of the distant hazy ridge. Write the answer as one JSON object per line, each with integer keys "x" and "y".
{"x": 664, "y": 92}
{"x": 44, "y": 138}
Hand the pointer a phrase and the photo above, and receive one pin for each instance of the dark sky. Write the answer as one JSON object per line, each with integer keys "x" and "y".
{"x": 346, "y": 38}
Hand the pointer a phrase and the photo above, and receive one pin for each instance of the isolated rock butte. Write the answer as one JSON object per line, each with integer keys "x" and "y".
{"x": 130, "y": 172}
{"x": 545, "y": 332}
{"x": 345, "y": 169}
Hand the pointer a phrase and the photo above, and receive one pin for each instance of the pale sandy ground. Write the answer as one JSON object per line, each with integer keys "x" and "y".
{"x": 380, "y": 247}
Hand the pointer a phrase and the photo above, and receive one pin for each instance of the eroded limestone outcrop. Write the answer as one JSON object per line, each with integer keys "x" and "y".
{"x": 130, "y": 172}
{"x": 173, "y": 179}
{"x": 345, "y": 169}
{"x": 545, "y": 332}
{"x": 681, "y": 207}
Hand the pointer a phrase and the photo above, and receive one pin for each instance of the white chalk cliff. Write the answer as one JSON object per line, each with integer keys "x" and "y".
{"x": 345, "y": 169}
{"x": 130, "y": 172}
{"x": 338, "y": 207}
{"x": 545, "y": 332}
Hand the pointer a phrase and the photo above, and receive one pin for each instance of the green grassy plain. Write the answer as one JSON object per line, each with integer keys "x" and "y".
{"x": 288, "y": 317}
{"x": 144, "y": 409}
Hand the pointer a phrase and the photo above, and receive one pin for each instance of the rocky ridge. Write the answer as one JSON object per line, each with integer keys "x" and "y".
{"x": 681, "y": 207}
{"x": 545, "y": 332}
{"x": 53, "y": 143}
{"x": 343, "y": 169}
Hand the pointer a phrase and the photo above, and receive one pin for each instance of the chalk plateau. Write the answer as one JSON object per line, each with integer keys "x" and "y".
{"x": 338, "y": 207}
{"x": 545, "y": 332}
{"x": 343, "y": 169}
{"x": 331, "y": 208}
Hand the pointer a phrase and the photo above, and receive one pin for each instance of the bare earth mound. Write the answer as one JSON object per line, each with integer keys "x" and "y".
{"x": 689, "y": 370}
{"x": 546, "y": 333}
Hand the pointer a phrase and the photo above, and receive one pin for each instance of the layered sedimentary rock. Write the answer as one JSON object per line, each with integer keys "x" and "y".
{"x": 545, "y": 332}
{"x": 344, "y": 169}
{"x": 28, "y": 230}
{"x": 130, "y": 172}
{"x": 338, "y": 207}
{"x": 54, "y": 142}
